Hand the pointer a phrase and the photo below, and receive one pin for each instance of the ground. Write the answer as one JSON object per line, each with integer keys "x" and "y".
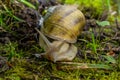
{"x": 98, "y": 56}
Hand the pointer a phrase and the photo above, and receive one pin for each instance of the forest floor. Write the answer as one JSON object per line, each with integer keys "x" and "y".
{"x": 98, "y": 56}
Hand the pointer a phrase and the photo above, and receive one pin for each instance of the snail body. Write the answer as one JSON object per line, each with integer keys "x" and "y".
{"x": 63, "y": 25}
{"x": 61, "y": 51}
{"x": 58, "y": 50}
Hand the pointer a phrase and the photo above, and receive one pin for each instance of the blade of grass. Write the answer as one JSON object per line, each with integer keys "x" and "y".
{"x": 109, "y": 58}
{"x": 28, "y": 4}
{"x": 94, "y": 43}
{"x": 118, "y": 4}
{"x": 10, "y": 13}
{"x": 109, "y": 6}
{"x": 83, "y": 65}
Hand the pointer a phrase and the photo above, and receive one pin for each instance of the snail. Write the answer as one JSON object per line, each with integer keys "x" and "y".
{"x": 63, "y": 24}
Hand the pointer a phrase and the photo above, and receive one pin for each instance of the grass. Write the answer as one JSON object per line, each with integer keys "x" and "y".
{"x": 47, "y": 70}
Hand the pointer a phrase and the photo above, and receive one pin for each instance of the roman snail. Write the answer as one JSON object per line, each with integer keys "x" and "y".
{"x": 63, "y": 24}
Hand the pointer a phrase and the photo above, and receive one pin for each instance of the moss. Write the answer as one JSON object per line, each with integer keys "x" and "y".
{"x": 95, "y": 7}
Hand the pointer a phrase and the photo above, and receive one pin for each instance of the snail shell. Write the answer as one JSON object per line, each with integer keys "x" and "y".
{"x": 65, "y": 23}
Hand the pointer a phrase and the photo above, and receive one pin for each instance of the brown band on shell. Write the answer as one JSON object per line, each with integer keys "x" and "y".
{"x": 77, "y": 20}
{"x": 67, "y": 14}
{"x": 59, "y": 26}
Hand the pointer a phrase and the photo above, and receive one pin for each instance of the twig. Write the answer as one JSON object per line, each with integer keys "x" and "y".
{"x": 117, "y": 49}
{"x": 116, "y": 21}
